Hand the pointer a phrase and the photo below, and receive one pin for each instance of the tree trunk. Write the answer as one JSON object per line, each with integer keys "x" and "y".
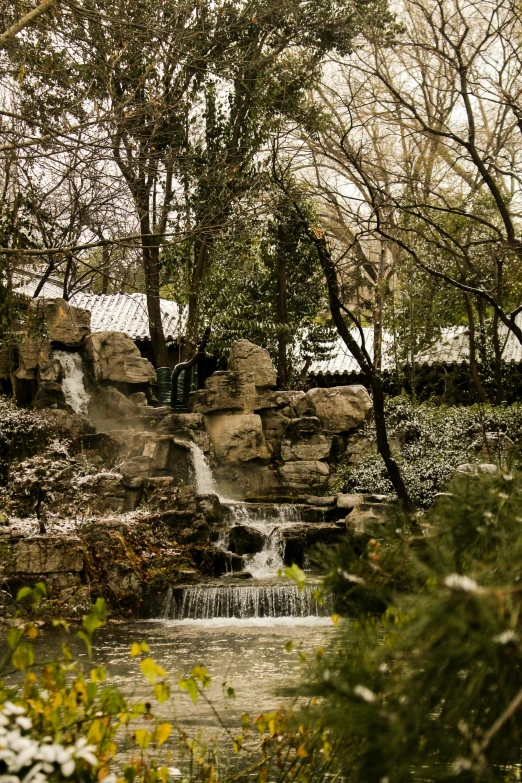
{"x": 152, "y": 288}
{"x": 282, "y": 312}
{"x": 372, "y": 375}
{"x": 193, "y": 303}
{"x": 473, "y": 365}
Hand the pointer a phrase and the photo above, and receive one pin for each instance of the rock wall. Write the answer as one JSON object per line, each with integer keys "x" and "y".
{"x": 267, "y": 442}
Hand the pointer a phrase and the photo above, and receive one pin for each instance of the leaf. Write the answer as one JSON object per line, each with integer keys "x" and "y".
{"x": 289, "y": 646}
{"x": 152, "y": 670}
{"x": 13, "y": 637}
{"x": 32, "y": 631}
{"x": 231, "y": 693}
{"x": 201, "y": 674}
{"x": 39, "y": 592}
{"x": 301, "y": 751}
{"x": 142, "y": 737}
{"x": 296, "y": 575}
{"x": 87, "y": 639}
{"x": 23, "y": 656}
{"x": 162, "y": 692}
{"x": 335, "y": 619}
{"x": 137, "y": 648}
{"x": 190, "y": 685}
{"x": 23, "y": 593}
{"x": 163, "y": 733}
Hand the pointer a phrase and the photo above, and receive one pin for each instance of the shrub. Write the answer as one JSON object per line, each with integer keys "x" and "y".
{"x": 425, "y": 682}
{"x": 429, "y": 441}
{"x": 22, "y": 434}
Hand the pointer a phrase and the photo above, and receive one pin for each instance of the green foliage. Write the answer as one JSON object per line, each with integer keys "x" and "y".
{"x": 22, "y": 434}
{"x": 430, "y": 441}
{"x": 426, "y": 681}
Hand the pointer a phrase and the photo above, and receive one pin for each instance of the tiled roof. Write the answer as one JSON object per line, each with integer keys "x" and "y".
{"x": 128, "y": 313}
{"x": 111, "y": 313}
{"x": 342, "y": 362}
{"x": 451, "y": 348}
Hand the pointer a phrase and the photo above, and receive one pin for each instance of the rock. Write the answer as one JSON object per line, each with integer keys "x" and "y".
{"x": 287, "y": 402}
{"x": 48, "y": 554}
{"x": 231, "y": 391}
{"x": 238, "y": 575}
{"x": 305, "y": 474}
{"x": 107, "y": 447}
{"x": 211, "y": 508}
{"x": 474, "y": 469}
{"x": 274, "y": 427}
{"x": 32, "y": 352}
{"x": 245, "y": 540}
{"x": 109, "y": 409}
{"x": 244, "y": 356}
{"x": 116, "y": 358}
{"x": 225, "y": 391}
{"x": 339, "y": 408}
{"x": 136, "y": 467}
{"x": 186, "y": 426}
{"x": 138, "y": 398}
{"x": 69, "y": 424}
{"x": 50, "y": 395}
{"x": 64, "y": 323}
{"x": 349, "y": 501}
{"x": 50, "y": 370}
{"x": 188, "y": 575}
{"x": 304, "y": 440}
{"x": 237, "y": 438}
{"x": 299, "y": 539}
{"x": 365, "y": 515}
{"x": 170, "y": 457}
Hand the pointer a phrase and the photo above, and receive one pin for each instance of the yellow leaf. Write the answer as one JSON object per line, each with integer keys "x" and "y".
{"x": 152, "y": 670}
{"x": 142, "y": 738}
{"x": 335, "y": 619}
{"x": 32, "y": 631}
{"x": 164, "y": 730}
{"x": 23, "y": 656}
{"x": 301, "y": 751}
{"x": 162, "y": 691}
{"x": 139, "y": 647}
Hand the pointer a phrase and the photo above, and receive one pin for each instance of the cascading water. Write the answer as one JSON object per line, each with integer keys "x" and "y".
{"x": 72, "y": 383}
{"x": 259, "y": 599}
{"x": 269, "y": 520}
{"x": 242, "y": 602}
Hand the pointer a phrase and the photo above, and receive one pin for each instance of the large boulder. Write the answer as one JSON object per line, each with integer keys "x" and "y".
{"x": 304, "y": 475}
{"x": 237, "y": 438}
{"x": 109, "y": 409}
{"x": 304, "y": 440}
{"x": 63, "y": 323}
{"x": 244, "y": 356}
{"x": 116, "y": 358}
{"x": 226, "y": 391}
{"x": 339, "y": 409}
{"x": 32, "y": 351}
{"x": 50, "y": 395}
{"x": 243, "y": 540}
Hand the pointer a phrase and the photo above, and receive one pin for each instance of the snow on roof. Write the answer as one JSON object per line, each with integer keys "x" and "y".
{"x": 452, "y": 347}
{"x": 342, "y": 362}
{"x": 27, "y": 286}
{"x": 128, "y": 313}
{"x": 112, "y": 312}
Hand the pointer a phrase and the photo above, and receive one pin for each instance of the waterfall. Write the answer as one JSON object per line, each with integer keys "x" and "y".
{"x": 72, "y": 383}
{"x": 205, "y": 484}
{"x": 242, "y": 602}
{"x": 271, "y": 522}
